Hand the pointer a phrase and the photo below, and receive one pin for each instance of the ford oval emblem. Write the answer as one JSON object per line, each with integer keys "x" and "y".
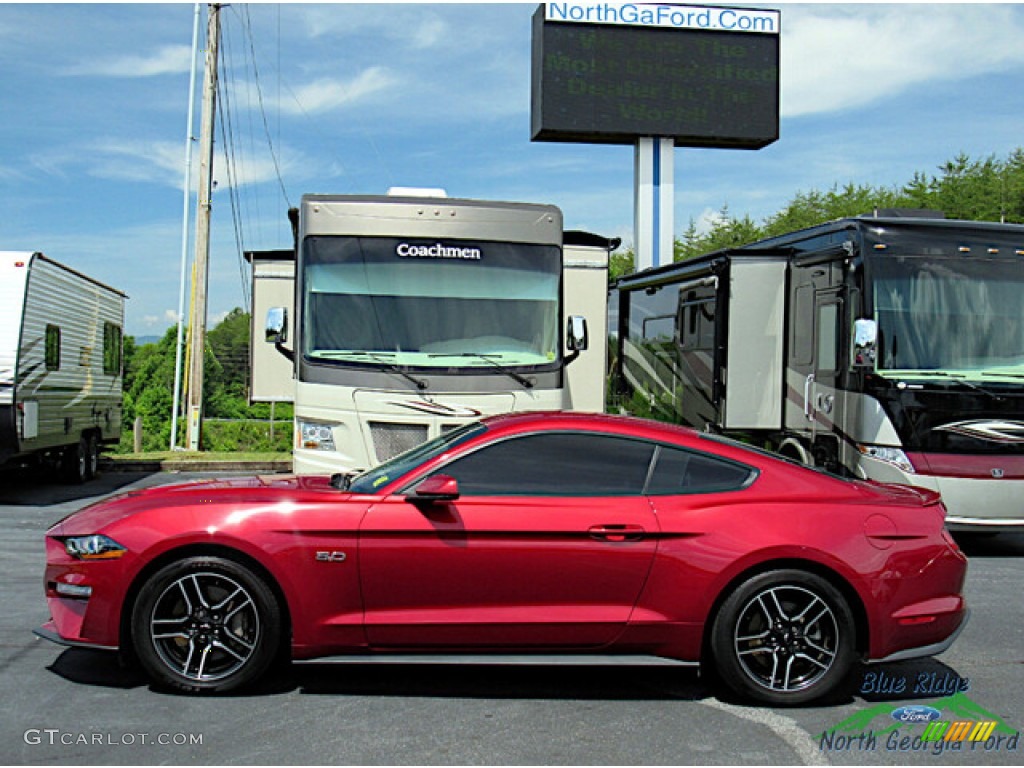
{"x": 916, "y": 713}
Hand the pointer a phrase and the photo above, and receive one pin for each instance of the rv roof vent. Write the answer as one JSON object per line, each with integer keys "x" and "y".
{"x": 908, "y": 213}
{"x": 416, "y": 192}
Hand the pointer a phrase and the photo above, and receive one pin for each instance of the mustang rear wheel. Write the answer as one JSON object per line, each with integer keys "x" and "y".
{"x": 784, "y": 637}
{"x": 205, "y": 624}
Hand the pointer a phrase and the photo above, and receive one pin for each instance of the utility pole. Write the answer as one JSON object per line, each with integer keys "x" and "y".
{"x": 201, "y": 278}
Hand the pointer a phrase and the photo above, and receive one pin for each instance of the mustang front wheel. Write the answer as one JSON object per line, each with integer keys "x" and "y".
{"x": 784, "y": 637}
{"x": 205, "y": 624}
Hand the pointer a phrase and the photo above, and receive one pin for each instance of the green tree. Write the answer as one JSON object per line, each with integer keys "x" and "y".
{"x": 149, "y": 387}
{"x": 227, "y": 383}
{"x": 621, "y": 263}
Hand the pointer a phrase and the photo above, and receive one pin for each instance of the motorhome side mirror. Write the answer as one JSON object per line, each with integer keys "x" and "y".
{"x": 277, "y": 325}
{"x": 576, "y": 333}
{"x": 865, "y": 339}
{"x": 437, "y": 488}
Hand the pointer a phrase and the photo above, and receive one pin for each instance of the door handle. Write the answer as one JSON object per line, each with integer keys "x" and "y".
{"x": 808, "y": 405}
{"x": 617, "y": 532}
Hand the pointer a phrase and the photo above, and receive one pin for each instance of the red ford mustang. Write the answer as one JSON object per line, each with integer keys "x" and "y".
{"x": 552, "y": 534}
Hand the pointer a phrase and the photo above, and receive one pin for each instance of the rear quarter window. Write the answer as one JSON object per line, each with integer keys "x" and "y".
{"x": 679, "y": 471}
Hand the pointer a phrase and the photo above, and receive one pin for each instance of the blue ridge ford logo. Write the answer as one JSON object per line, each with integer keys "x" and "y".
{"x": 916, "y": 713}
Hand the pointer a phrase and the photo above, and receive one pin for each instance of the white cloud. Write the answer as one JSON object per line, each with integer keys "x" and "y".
{"x": 839, "y": 57}
{"x": 411, "y": 25}
{"x": 168, "y": 60}
{"x": 327, "y": 94}
{"x": 163, "y": 163}
{"x": 706, "y": 221}
{"x": 215, "y": 318}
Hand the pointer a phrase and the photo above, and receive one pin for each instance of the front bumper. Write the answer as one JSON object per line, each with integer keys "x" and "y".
{"x": 93, "y": 619}
{"x": 49, "y": 632}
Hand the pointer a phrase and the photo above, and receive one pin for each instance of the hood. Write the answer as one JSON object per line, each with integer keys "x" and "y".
{"x": 185, "y": 496}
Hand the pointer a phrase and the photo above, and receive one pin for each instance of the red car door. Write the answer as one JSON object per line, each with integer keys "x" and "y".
{"x": 522, "y": 559}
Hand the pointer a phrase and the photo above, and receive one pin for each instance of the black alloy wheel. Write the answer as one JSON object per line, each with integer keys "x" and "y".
{"x": 206, "y": 624}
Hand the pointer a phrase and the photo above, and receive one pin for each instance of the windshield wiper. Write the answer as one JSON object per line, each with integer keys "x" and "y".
{"x": 1000, "y": 373}
{"x": 487, "y": 359}
{"x": 960, "y": 378}
{"x": 385, "y": 364}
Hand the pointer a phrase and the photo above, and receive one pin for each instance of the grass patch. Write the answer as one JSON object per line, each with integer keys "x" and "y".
{"x": 198, "y": 456}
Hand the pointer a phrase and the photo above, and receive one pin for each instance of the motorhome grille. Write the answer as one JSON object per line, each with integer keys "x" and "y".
{"x": 391, "y": 439}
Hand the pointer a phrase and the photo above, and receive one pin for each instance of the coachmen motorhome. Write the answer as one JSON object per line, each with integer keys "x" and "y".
{"x": 60, "y": 364}
{"x": 887, "y": 347}
{"x": 414, "y": 315}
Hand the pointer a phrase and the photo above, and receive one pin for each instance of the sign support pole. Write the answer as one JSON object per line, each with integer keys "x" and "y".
{"x": 654, "y": 202}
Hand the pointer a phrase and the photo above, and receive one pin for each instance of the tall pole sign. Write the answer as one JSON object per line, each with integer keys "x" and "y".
{"x": 656, "y": 76}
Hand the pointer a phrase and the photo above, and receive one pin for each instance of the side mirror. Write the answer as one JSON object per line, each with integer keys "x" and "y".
{"x": 437, "y": 488}
{"x": 865, "y": 340}
{"x": 277, "y": 325}
{"x": 576, "y": 333}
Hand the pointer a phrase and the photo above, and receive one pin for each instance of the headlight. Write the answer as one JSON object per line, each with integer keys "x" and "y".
{"x": 893, "y": 456}
{"x": 315, "y": 435}
{"x": 95, "y": 547}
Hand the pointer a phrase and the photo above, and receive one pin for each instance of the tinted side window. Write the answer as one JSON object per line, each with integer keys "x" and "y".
{"x": 678, "y": 471}
{"x": 555, "y": 464}
{"x": 112, "y": 349}
{"x": 52, "y": 351}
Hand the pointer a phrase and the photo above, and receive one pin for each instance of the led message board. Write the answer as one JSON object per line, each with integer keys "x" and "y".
{"x": 612, "y": 72}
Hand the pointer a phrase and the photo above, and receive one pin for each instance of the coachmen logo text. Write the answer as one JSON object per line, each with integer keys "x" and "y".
{"x": 437, "y": 251}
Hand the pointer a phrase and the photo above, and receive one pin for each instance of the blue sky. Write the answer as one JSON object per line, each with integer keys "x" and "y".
{"x": 358, "y": 98}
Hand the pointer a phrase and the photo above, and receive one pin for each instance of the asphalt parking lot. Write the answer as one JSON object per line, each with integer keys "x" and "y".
{"x": 76, "y": 706}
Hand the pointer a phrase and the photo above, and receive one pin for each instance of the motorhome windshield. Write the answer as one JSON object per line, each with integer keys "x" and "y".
{"x": 961, "y": 317}
{"x": 430, "y": 304}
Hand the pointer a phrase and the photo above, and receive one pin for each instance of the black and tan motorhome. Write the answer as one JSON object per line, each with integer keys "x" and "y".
{"x": 887, "y": 347}
{"x": 60, "y": 364}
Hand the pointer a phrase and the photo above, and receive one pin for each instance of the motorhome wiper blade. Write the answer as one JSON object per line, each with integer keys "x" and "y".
{"x": 960, "y": 378}
{"x": 487, "y": 359}
{"x": 1006, "y": 375}
{"x": 385, "y": 364}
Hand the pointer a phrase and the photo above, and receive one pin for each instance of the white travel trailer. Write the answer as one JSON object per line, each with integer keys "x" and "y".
{"x": 60, "y": 364}
{"x": 409, "y": 316}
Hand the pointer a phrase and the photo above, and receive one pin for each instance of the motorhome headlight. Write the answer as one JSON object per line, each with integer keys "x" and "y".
{"x": 95, "y": 547}
{"x": 894, "y": 456}
{"x": 315, "y": 435}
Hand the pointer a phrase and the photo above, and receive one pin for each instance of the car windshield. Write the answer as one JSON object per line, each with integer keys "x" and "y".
{"x": 372, "y": 480}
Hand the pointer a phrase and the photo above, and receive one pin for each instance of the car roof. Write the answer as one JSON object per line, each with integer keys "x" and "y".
{"x": 574, "y": 420}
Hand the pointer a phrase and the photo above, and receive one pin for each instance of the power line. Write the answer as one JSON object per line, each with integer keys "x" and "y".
{"x": 263, "y": 113}
{"x": 231, "y": 165}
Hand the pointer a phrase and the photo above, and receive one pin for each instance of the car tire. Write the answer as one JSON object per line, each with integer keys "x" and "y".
{"x": 92, "y": 457}
{"x": 75, "y": 462}
{"x": 784, "y": 637}
{"x": 205, "y": 624}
